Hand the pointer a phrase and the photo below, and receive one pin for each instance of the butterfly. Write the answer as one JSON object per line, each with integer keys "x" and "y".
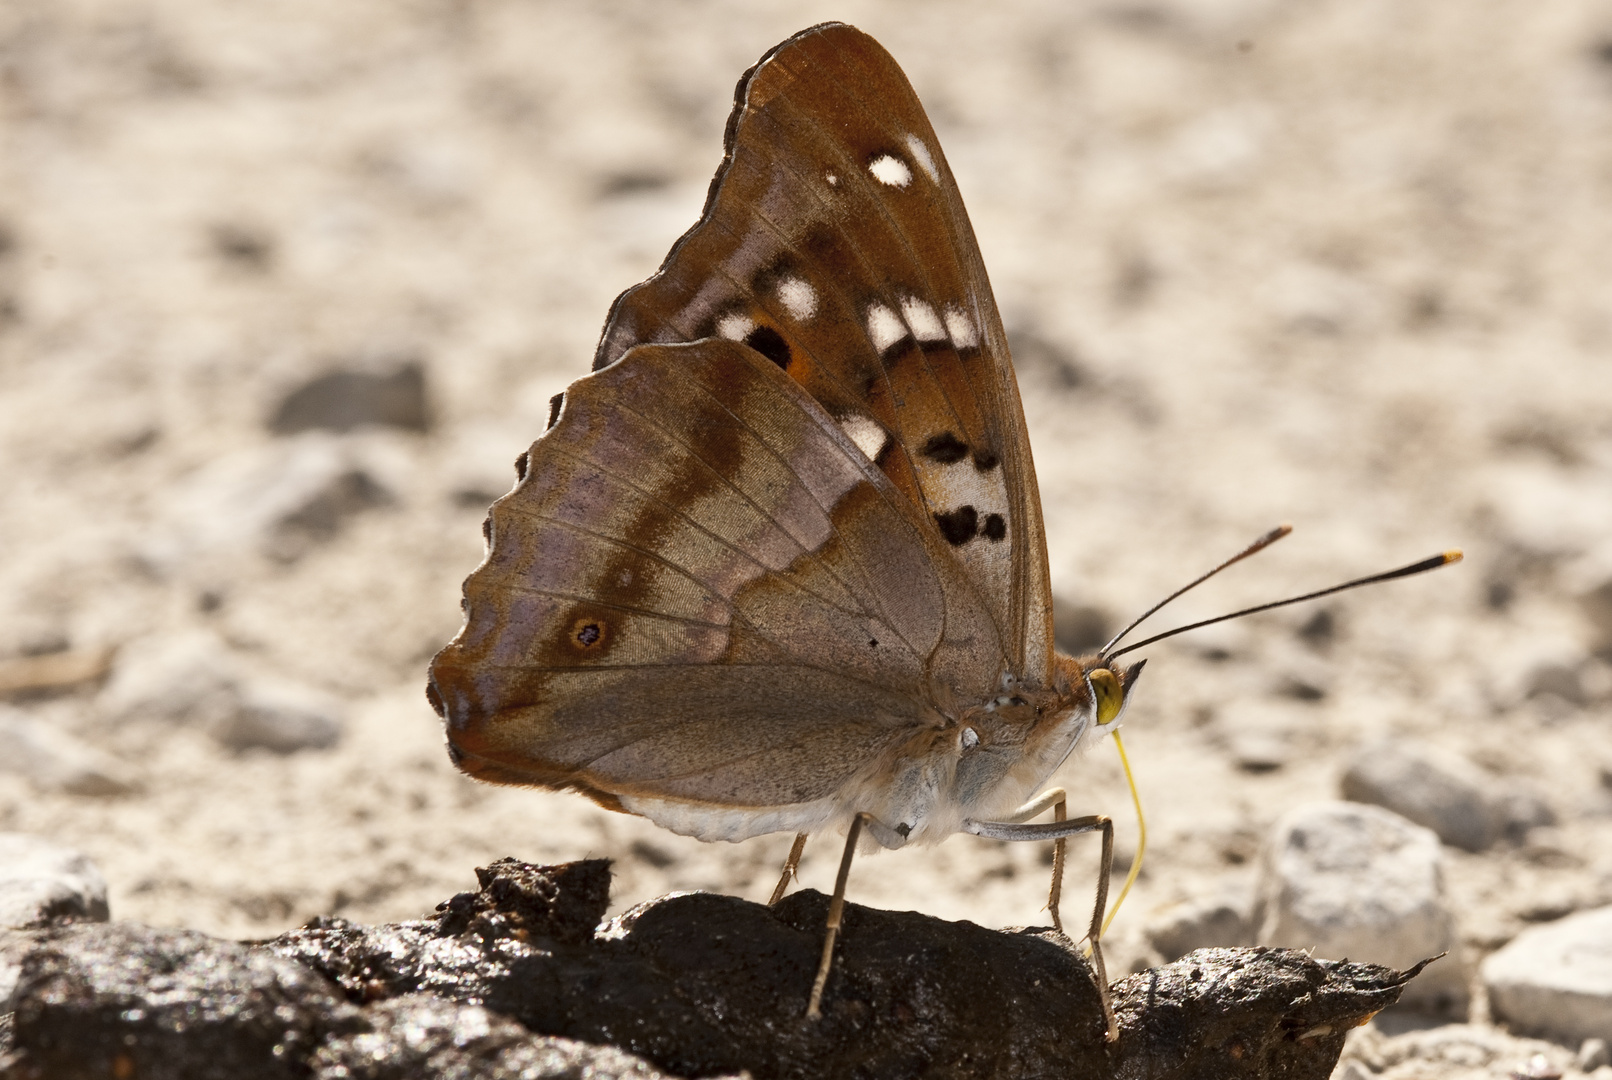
{"x": 777, "y": 564}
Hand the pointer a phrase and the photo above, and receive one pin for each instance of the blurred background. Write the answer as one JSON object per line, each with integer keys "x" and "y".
{"x": 286, "y": 287}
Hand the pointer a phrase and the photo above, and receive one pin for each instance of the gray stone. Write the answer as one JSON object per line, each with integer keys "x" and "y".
{"x": 1350, "y": 880}
{"x": 1556, "y": 979}
{"x": 1080, "y": 628}
{"x": 181, "y": 678}
{"x": 346, "y": 399}
{"x": 1564, "y": 681}
{"x": 1592, "y": 1054}
{"x": 43, "y": 883}
{"x": 1596, "y": 605}
{"x": 279, "y": 499}
{"x": 1460, "y": 802}
{"x": 193, "y": 678}
{"x": 1523, "y": 810}
{"x": 54, "y": 760}
{"x": 1221, "y": 919}
{"x": 282, "y": 716}
{"x": 1259, "y": 750}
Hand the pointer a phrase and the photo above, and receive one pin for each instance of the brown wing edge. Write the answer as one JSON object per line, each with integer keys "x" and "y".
{"x": 741, "y": 94}
{"x": 491, "y": 772}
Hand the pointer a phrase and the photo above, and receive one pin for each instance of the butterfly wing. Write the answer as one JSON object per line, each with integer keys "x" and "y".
{"x": 834, "y": 242}
{"x": 703, "y": 603}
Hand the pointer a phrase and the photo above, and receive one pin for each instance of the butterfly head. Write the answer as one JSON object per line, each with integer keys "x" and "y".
{"x": 1110, "y": 689}
{"x": 1107, "y": 685}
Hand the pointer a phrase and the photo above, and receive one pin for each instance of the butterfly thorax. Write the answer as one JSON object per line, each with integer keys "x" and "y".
{"x": 979, "y": 762}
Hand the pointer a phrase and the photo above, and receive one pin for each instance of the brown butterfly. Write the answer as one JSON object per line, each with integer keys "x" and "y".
{"x": 778, "y": 563}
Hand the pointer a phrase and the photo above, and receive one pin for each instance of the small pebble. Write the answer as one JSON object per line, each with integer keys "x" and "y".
{"x": 347, "y": 399}
{"x": 1221, "y": 919}
{"x": 193, "y": 678}
{"x": 1592, "y": 1054}
{"x": 42, "y": 882}
{"x": 1355, "y": 881}
{"x": 1555, "y": 979}
{"x": 54, "y": 760}
{"x": 1465, "y": 806}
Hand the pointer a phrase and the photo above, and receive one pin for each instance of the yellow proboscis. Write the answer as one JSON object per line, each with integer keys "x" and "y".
{"x": 1141, "y": 834}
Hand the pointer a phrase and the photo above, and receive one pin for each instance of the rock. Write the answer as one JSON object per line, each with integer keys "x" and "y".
{"x": 282, "y": 716}
{"x": 1592, "y": 1054}
{"x": 345, "y": 399}
{"x": 1259, "y": 750}
{"x": 1523, "y": 810}
{"x": 53, "y": 760}
{"x": 1344, "y": 879}
{"x": 1261, "y": 738}
{"x": 1444, "y": 792}
{"x": 1564, "y": 681}
{"x": 1596, "y": 604}
{"x": 193, "y": 678}
{"x": 515, "y": 977}
{"x": 1079, "y": 628}
{"x": 280, "y": 499}
{"x": 43, "y": 883}
{"x": 1556, "y": 979}
{"x": 1221, "y": 919}
{"x": 182, "y": 678}
{"x": 1453, "y": 1050}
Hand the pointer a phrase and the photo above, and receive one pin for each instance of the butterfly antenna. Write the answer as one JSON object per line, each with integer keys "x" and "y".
{"x": 1431, "y": 563}
{"x": 1257, "y": 546}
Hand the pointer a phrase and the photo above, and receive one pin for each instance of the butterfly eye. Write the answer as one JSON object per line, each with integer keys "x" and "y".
{"x": 1110, "y": 695}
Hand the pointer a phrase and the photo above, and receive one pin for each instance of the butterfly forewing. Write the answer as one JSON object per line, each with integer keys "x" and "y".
{"x": 834, "y": 242}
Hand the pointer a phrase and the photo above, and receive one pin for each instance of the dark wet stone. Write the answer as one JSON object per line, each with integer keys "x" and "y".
{"x": 421, "y": 1035}
{"x": 123, "y": 1000}
{"x": 697, "y": 985}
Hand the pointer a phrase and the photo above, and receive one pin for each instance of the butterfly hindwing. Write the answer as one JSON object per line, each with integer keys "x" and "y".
{"x": 834, "y": 242}
{"x": 701, "y": 576}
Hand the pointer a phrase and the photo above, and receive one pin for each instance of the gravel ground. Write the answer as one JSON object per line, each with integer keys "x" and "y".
{"x": 1342, "y": 263}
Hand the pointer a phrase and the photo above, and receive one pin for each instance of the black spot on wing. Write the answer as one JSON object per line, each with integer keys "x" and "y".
{"x": 771, "y": 344}
{"x": 555, "y": 404}
{"x": 945, "y": 448}
{"x": 522, "y": 462}
{"x": 958, "y": 526}
{"x": 995, "y": 527}
{"x": 986, "y": 459}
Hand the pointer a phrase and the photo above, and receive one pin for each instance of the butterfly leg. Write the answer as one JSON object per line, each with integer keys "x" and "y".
{"x": 791, "y": 865}
{"x": 1058, "y": 799}
{"x": 836, "y": 908}
{"x": 1058, "y": 830}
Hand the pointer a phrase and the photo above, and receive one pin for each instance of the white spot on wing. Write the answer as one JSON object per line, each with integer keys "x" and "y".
{"x": 868, "y": 434}
{"x": 926, "y": 162}
{"x": 833, "y": 181}
{"x": 961, "y": 484}
{"x": 960, "y": 328}
{"x": 890, "y": 170}
{"x": 971, "y": 738}
{"x": 923, "y": 320}
{"x": 798, "y": 297}
{"x": 884, "y": 327}
{"x": 735, "y": 327}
